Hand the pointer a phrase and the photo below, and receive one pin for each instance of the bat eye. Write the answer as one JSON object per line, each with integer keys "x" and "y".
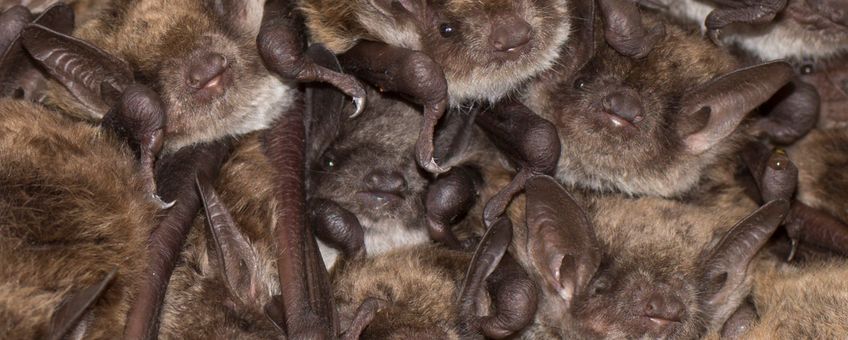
{"x": 807, "y": 69}
{"x": 580, "y": 83}
{"x": 329, "y": 162}
{"x": 447, "y": 30}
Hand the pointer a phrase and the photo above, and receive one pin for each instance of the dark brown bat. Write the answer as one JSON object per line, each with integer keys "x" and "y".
{"x": 199, "y": 58}
{"x": 368, "y": 169}
{"x": 613, "y": 274}
{"x": 363, "y": 177}
{"x": 652, "y": 125}
{"x": 72, "y": 212}
{"x": 438, "y": 53}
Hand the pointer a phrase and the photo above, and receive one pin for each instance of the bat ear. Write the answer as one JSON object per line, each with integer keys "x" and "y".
{"x": 19, "y": 77}
{"x": 69, "y": 313}
{"x": 715, "y": 109}
{"x": 581, "y": 45}
{"x": 725, "y": 266}
{"x": 487, "y": 256}
{"x": 561, "y": 240}
{"x": 324, "y": 106}
{"x": 243, "y": 16}
{"x": 81, "y": 67}
{"x": 59, "y": 17}
{"x": 237, "y": 259}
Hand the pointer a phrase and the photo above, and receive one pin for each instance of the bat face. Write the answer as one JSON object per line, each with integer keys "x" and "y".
{"x": 619, "y": 118}
{"x": 204, "y": 65}
{"x": 489, "y": 48}
{"x": 635, "y": 299}
{"x": 645, "y": 275}
{"x": 650, "y": 125}
{"x": 485, "y": 48}
{"x": 369, "y": 169}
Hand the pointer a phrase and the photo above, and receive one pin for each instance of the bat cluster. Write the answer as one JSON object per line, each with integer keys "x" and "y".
{"x": 423, "y": 169}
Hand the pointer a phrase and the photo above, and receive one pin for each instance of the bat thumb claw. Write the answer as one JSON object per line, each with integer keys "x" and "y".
{"x": 792, "y": 250}
{"x": 715, "y": 36}
{"x": 432, "y": 167}
{"x": 359, "y": 105}
{"x": 161, "y": 203}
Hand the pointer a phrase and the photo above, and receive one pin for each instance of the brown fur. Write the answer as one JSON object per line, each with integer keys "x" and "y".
{"x": 71, "y": 210}
{"x": 419, "y": 287}
{"x": 650, "y": 159}
{"x": 793, "y": 301}
{"x": 821, "y": 158}
{"x": 160, "y": 39}
{"x": 472, "y": 69}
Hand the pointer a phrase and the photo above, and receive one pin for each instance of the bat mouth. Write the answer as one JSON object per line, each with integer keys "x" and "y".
{"x": 662, "y": 322}
{"x": 215, "y": 87}
{"x": 378, "y": 200}
{"x": 512, "y": 54}
{"x": 616, "y": 123}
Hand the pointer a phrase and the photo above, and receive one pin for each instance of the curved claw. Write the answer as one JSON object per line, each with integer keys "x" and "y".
{"x": 425, "y": 147}
{"x": 160, "y": 202}
{"x": 715, "y": 36}
{"x": 792, "y": 250}
{"x": 432, "y": 167}
{"x": 359, "y": 104}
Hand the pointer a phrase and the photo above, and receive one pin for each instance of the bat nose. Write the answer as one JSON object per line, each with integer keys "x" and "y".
{"x": 664, "y": 309}
{"x": 206, "y": 71}
{"x": 383, "y": 189}
{"x": 624, "y": 105}
{"x": 391, "y": 182}
{"x": 509, "y": 33}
